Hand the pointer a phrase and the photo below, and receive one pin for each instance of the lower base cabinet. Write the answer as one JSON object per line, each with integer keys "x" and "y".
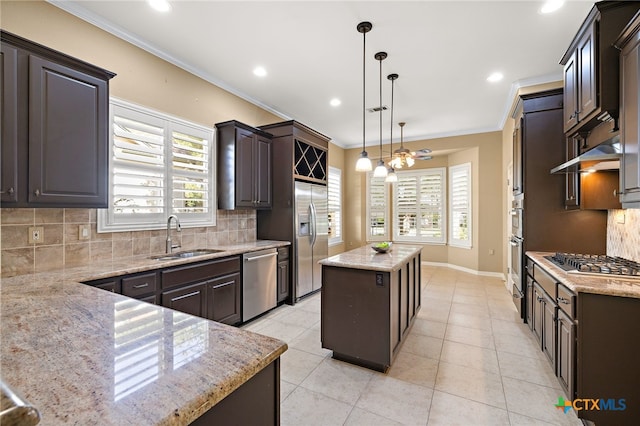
{"x": 283, "y": 274}
{"x": 565, "y": 367}
{"x": 223, "y": 299}
{"x": 190, "y": 299}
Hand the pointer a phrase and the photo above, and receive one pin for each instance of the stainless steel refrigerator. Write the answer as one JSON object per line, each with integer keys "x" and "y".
{"x": 312, "y": 236}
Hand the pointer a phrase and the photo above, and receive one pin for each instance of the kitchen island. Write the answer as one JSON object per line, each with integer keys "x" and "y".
{"x": 369, "y": 302}
{"x": 82, "y": 355}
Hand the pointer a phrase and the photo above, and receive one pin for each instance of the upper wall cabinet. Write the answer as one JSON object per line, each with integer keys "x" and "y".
{"x": 244, "y": 166}
{"x": 591, "y": 67}
{"x": 629, "y": 43}
{"x": 54, "y": 128}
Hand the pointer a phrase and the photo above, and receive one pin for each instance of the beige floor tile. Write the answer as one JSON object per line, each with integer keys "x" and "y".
{"x": 533, "y": 370}
{"x": 338, "y": 380}
{"x": 414, "y": 369}
{"x": 477, "y": 385}
{"x": 470, "y": 356}
{"x": 470, "y": 300}
{"x": 438, "y": 292}
{"x": 305, "y": 407}
{"x": 478, "y": 291}
{"x": 520, "y": 420}
{"x": 397, "y": 400}
{"x": 470, "y": 336}
{"x": 477, "y": 310}
{"x": 360, "y": 417}
{"x": 520, "y": 345}
{"x": 424, "y": 346}
{"x": 471, "y": 321}
{"x": 514, "y": 328}
{"x": 285, "y": 389}
{"x": 537, "y": 402}
{"x": 451, "y": 410}
{"x": 296, "y": 365}
{"x": 309, "y": 341}
{"x": 299, "y": 317}
{"x": 434, "y": 311}
{"x": 429, "y": 328}
{"x": 282, "y": 331}
{"x": 312, "y": 304}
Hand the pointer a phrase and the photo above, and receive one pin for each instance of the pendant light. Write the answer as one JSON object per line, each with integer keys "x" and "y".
{"x": 364, "y": 163}
{"x": 391, "y": 173}
{"x": 381, "y": 169}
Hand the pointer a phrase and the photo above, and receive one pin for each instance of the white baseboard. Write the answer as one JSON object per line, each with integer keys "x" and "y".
{"x": 467, "y": 270}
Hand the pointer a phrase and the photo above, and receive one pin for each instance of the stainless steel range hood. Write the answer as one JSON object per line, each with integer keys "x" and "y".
{"x": 605, "y": 156}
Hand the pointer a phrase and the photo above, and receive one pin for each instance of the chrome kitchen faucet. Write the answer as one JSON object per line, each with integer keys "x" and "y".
{"x": 170, "y": 246}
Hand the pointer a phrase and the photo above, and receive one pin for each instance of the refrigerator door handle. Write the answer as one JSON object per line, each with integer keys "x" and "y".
{"x": 312, "y": 210}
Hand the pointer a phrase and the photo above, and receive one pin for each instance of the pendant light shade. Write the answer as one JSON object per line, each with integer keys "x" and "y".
{"x": 391, "y": 173}
{"x": 381, "y": 170}
{"x": 364, "y": 163}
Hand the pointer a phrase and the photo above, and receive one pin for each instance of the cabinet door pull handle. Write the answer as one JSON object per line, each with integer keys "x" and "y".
{"x": 10, "y": 191}
{"x": 539, "y": 298}
{"x": 563, "y": 300}
{"x": 141, "y": 285}
{"x": 36, "y": 192}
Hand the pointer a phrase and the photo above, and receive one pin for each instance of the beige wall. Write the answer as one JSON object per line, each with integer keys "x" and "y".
{"x": 141, "y": 77}
{"x": 336, "y": 159}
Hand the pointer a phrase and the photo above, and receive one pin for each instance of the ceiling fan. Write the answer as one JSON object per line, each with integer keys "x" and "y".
{"x": 402, "y": 156}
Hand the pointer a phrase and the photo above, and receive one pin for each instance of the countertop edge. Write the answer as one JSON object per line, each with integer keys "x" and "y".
{"x": 335, "y": 261}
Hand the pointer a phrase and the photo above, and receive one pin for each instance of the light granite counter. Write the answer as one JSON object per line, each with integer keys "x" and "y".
{"x": 611, "y": 285}
{"x": 366, "y": 258}
{"x": 84, "y": 356}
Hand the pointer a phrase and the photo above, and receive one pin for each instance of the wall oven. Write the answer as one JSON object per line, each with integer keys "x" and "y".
{"x": 516, "y": 243}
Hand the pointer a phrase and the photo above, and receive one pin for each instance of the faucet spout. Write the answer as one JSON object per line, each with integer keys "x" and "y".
{"x": 169, "y": 245}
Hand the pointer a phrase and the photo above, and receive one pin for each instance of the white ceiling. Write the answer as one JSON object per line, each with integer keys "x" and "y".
{"x": 442, "y": 50}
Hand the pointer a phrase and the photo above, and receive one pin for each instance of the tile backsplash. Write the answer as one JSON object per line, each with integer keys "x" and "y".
{"x": 61, "y": 245}
{"x": 623, "y": 234}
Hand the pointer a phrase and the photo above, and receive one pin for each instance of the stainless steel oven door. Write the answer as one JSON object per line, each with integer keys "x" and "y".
{"x": 516, "y": 218}
{"x": 516, "y": 272}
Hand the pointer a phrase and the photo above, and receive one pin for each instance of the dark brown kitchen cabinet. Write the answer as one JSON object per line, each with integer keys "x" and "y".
{"x": 283, "y": 274}
{"x": 572, "y": 178}
{"x": 140, "y": 285}
{"x": 517, "y": 176}
{"x": 629, "y": 43}
{"x": 55, "y": 136}
{"x": 9, "y": 154}
{"x": 223, "y": 299}
{"x": 591, "y": 67}
{"x": 108, "y": 284}
{"x": 244, "y": 166}
{"x": 191, "y": 299}
{"x": 566, "y": 332}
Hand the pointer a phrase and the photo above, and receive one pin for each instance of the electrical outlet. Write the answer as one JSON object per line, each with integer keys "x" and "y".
{"x": 84, "y": 232}
{"x": 36, "y": 234}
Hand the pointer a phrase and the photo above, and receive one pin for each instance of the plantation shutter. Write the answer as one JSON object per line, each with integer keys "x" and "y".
{"x": 377, "y": 212}
{"x": 460, "y": 205}
{"x": 334, "y": 190}
{"x": 190, "y": 172}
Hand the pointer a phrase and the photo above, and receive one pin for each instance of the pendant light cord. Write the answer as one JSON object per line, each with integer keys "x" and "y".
{"x": 364, "y": 87}
{"x": 381, "y": 107}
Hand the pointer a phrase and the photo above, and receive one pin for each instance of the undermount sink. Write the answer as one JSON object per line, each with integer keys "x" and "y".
{"x": 186, "y": 254}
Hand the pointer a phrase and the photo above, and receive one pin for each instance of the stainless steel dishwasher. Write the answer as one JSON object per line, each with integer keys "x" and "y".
{"x": 259, "y": 291}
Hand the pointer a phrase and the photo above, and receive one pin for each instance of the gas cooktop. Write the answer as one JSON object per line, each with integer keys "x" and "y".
{"x": 597, "y": 264}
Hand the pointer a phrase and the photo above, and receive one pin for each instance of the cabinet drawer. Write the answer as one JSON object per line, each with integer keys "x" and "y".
{"x": 566, "y": 301}
{"x": 200, "y": 272}
{"x": 529, "y": 267}
{"x": 139, "y": 285}
{"x": 283, "y": 253}
{"x": 546, "y": 281}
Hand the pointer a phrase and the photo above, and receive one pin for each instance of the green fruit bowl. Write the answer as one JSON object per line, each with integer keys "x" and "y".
{"x": 383, "y": 247}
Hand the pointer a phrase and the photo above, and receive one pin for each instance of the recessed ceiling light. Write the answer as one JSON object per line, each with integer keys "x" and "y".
{"x": 551, "y": 6}
{"x": 495, "y": 77}
{"x": 260, "y": 71}
{"x": 160, "y": 5}
{"x": 335, "y": 102}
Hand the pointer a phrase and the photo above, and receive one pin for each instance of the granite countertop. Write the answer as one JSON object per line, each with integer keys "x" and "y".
{"x": 366, "y": 258}
{"x": 579, "y": 283}
{"x": 82, "y": 355}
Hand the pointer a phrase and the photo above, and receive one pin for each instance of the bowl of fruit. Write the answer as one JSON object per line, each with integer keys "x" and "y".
{"x": 381, "y": 247}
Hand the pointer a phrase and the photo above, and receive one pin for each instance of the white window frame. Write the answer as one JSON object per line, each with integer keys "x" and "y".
{"x": 109, "y": 222}
{"x": 335, "y": 203}
{"x": 464, "y": 170}
{"x": 441, "y": 172}
{"x": 384, "y": 211}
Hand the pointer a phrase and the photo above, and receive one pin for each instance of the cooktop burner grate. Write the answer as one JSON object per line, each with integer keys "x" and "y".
{"x": 596, "y": 263}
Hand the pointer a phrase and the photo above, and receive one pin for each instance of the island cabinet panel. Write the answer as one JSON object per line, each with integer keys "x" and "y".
{"x": 366, "y": 314}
